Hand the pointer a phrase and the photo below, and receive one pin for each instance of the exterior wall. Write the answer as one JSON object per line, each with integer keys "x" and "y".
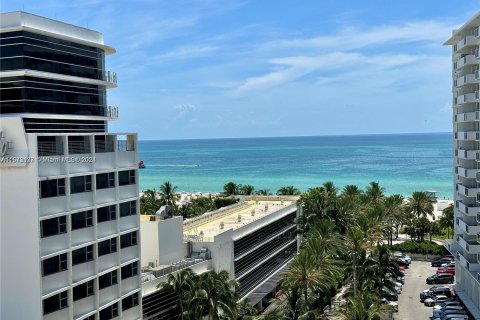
{"x": 19, "y": 233}
{"x": 466, "y": 127}
{"x": 162, "y": 241}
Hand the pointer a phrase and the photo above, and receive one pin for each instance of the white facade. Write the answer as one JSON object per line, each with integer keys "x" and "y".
{"x": 466, "y": 127}
{"x": 58, "y": 242}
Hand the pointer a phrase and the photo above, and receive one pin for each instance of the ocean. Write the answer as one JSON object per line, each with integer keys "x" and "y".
{"x": 402, "y": 163}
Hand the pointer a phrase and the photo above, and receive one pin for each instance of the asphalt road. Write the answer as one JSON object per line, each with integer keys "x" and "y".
{"x": 409, "y": 305}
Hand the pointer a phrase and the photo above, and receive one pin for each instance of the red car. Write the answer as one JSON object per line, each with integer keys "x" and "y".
{"x": 448, "y": 269}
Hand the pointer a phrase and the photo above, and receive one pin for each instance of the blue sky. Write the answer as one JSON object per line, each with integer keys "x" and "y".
{"x": 217, "y": 69}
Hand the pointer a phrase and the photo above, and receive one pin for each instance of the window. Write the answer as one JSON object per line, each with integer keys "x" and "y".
{"x": 109, "y": 312}
{"x": 83, "y": 219}
{"x": 83, "y": 290}
{"x": 56, "y": 302}
{"x": 128, "y": 239}
{"x": 130, "y": 301}
{"x": 92, "y": 317}
{"x": 54, "y": 226}
{"x": 52, "y": 188}
{"x": 106, "y": 213}
{"x": 54, "y": 264}
{"x": 104, "y": 144}
{"x": 128, "y": 208}
{"x": 78, "y": 145}
{"x": 81, "y": 184}
{"x": 130, "y": 270}
{"x": 105, "y": 180}
{"x": 126, "y": 177}
{"x": 108, "y": 279}
{"x": 107, "y": 246}
{"x": 82, "y": 255}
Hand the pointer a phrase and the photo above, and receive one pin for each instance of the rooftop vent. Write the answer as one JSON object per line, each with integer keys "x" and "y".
{"x": 239, "y": 218}
{"x": 222, "y": 225}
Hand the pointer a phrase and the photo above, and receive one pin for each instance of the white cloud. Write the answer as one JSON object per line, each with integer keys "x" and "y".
{"x": 355, "y": 38}
{"x": 185, "y": 52}
{"x": 185, "y": 107}
{"x": 299, "y": 66}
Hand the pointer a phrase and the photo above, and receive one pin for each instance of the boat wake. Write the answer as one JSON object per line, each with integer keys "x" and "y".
{"x": 175, "y": 165}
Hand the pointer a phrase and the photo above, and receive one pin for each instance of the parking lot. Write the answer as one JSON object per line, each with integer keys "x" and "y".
{"x": 409, "y": 305}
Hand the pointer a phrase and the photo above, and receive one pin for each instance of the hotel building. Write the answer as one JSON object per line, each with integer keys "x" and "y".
{"x": 466, "y": 128}
{"x": 253, "y": 241}
{"x": 69, "y": 222}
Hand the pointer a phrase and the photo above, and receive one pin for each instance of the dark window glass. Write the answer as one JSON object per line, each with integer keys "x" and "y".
{"x": 129, "y": 270}
{"x": 107, "y": 246}
{"x": 52, "y": 188}
{"x": 106, "y": 213}
{"x": 82, "y": 219}
{"x": 82, "y": 255}
{"x": 130, "y": 301}
{"x": 56, "y": 302}
{"x": 108, "y": 279}
{"x": 92, "y": 317}
{"x": 54, "y": 264}
{"x": 109, "y": 312}
{"x": 83, "y": 290}
{"x": 81, "y": 184}
{"x": 78, "y": 145}
{"x": 126, "y": 177}
{"x": 54, "y": 226}
{"x": 128, "y": 208}
{"x": 105, "y": 180}
{"x": 128, "y": 239}
{"x": 104, "y": 144}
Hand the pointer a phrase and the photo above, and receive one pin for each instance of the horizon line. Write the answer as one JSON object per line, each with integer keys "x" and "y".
{"x": 302, "y": 136}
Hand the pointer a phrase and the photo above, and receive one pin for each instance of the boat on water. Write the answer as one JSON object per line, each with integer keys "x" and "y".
{"x": 140, "y": 165}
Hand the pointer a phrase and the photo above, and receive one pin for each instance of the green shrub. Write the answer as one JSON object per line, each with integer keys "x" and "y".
{"x": 224, "y": 202}
{"x": 425, "y": 247}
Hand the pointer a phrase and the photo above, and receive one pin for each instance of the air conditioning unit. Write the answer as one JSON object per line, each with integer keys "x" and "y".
{"x": 222, "y": 225}
{"x": 253, "y": 212}
{"x": 151, "y": 264}
{"x": 239, "y": 218}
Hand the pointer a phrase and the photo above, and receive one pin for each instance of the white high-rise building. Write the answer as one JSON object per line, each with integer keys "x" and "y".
{"x": 69, "y": 222}
{"x": 466, "y": 128}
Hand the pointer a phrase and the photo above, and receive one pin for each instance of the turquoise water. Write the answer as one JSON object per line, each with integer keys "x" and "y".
{"x": 402, "y": 163}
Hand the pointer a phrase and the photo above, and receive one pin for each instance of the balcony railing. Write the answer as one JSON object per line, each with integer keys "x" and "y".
{"x": 49, "y": 148}
{"x": 111, "y": 112}
{"x": 110, "y": 76}
{"x": 79, "y": 147}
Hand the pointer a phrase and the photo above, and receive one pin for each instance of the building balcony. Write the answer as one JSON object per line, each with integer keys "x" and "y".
{"x": 106, "y": 195}
{"x": 130, "y": 284}
{"x": 84, "y": 306}
{"x": 471, "y": 230}
{"x": 470, "y": 78}
{"x": 467, "y": 135}
{"x": 132, "y": 313}
{"x": 111, "y": 112}
{"x": 106, "y": 228}
{"x": 109, "y": 294}
{"x": 467, "y": 173}
{"x": 467, "y": 154}
{"x": 127, "y": 192}
{"x": 467, "y": 98}
{"x": 470, "y": 211}
{"x": 52, "y": 244}
{"x": 470, "y": 246}
{"x": 81, "y": 200}
{"x": 54, "y": 282}
{"x": 467, "y": 191}
{"x": 468, "y": 116}
{"x": 53, "y": 205}
{"x": 465, "y": 61}
{"x": 107, "y": 261}
{"x": 466, "y": 42}
{"x": 82, "y": 236}
{"x": 129, "y": 253}
{"x": 83, "y": 270}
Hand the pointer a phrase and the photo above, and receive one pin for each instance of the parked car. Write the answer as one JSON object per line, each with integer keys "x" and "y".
{"x": 402, "y": 262}
{"x": 447, "y": 303}
{"x": 391, "y": 304}
{"x": 437, "y": 313}
{"x": 434, "y": 291}
{"x": 403, "y": 256}
{"x": 391, "y": 296}
{"x": 453, "y": 317}
{"x": 446, "y": 269}
{"x": 439, "y": 262}
{"x": 434, "y": 300}
{"x": 442, "y": 278}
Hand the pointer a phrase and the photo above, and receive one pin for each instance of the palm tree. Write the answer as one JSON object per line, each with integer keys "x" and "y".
{"x": 374, "y": 193}
{"x": 167, "y": 194}
{"x": 182, "y": 284}
{"x": 263, "y": 192}
{"x": 245, "y": 308}
{"x": 288, "y": 191}
{"x": 421, "y": 206}
{"x": 447, "y": 219}
{"x": 351, "y": 191}
{"x": 217, "y": 295}
{"x": 247, "y": 190}
{"x": 394, "y": 214}
{"x": 149, "y": 202}
{"x": 230, "y": 188}
{"x": 362, "y": 307}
